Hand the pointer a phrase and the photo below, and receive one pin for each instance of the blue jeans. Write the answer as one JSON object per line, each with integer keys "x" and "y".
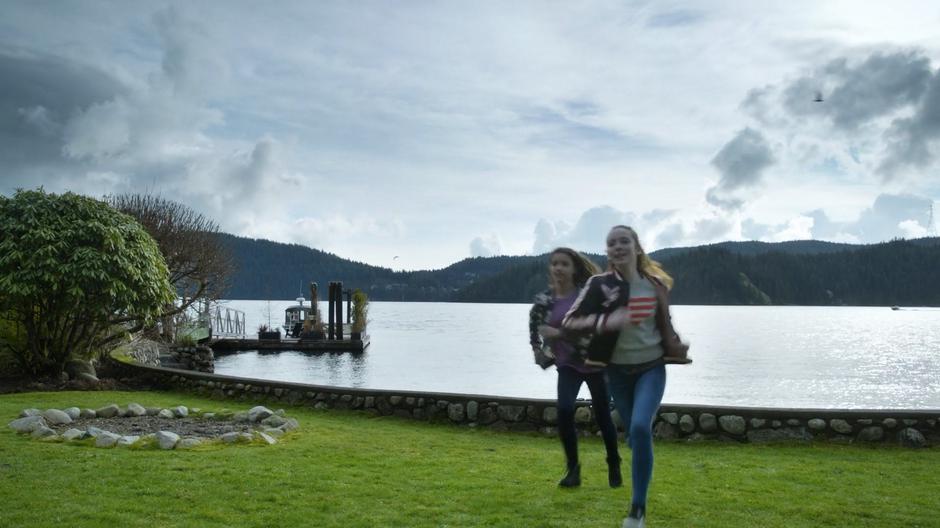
{"x": 637, "y": 398}
{"x": 569, "y": 384}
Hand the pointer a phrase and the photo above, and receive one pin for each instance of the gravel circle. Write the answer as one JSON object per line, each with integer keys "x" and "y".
{"x": 142, "y": 425}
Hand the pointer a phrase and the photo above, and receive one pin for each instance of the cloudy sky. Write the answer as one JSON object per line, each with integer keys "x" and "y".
{"x": 432, "y": 131}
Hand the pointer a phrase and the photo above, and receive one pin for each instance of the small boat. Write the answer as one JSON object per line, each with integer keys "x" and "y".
{"x": 294, "y": 317}
{"x": 895, "y": 308}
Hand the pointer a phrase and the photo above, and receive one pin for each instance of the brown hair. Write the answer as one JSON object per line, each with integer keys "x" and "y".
{"x": 644, "y": 264}
{"x": 584, "y": 268}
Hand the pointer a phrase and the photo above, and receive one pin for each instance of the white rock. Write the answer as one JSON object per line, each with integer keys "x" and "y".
{"x": 230, "y": 438}
{"x": 274, "y": 421}
{"x": 94, "y": 431}
{"x": 28, "y": 424}
{"x": 153, "y": 411}
{"x": 259, "y": 413}
{"x": 167, "y": 439}
{"x": 125, "y": 441}
{"x": 74, "y": 412}
{"x": 273, "y": 431}
{"x": 165, "y": 413}
{"x": 56, "y": 417}
{"x": 291, "y": 424}
{"x": 107, "y": 439}
{"x": 189, "y": 443}
{"x": 42, "y": 432}
{"x": 268, "y": 439}
{"x": 29, "y": 412}
{"x": 180, "y": 411}
{"x": 108, "y": 411}
{"x": 73, "y": 434}
{"x": 88, "y": 413}
{"x": 136, "y": 409}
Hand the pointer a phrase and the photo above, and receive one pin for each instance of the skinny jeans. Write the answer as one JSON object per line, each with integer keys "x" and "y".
{"x": 569, "y": 384}
{"x": 637, "y": 397}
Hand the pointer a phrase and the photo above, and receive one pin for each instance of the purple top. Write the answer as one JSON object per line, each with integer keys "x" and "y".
{"x": 563, "y": 350}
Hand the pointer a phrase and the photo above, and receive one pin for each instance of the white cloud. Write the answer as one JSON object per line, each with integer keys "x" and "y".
{"x": 486, "y": 246}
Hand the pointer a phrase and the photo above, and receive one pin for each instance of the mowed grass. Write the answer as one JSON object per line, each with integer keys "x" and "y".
{"x": 348, "y": 469}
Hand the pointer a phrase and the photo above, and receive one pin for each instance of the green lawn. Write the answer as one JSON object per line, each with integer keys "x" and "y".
{"x": 347, "y": 469}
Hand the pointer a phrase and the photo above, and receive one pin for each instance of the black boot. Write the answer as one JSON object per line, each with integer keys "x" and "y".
{"x": 572, "y": 478}
{"x": 614, "y": 478}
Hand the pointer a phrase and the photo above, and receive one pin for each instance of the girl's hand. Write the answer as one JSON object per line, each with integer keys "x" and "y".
{"x": 549, "y": 332}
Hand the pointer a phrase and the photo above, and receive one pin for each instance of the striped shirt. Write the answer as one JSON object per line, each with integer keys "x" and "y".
{"x": 640, "y": 340}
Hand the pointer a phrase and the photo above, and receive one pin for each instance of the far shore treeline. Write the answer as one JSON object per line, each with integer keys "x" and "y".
{"x": 900, "y": 272}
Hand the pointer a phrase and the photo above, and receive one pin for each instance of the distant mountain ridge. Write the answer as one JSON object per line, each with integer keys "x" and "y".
{"x": 812, "y": 272}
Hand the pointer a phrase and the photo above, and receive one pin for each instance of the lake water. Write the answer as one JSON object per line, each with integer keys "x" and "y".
{"x": 761, "y": 356}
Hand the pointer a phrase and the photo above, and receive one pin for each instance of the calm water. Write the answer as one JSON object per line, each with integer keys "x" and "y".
{"x": 779, "y": 356}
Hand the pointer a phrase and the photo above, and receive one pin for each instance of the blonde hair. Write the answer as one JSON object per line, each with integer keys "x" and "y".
{"x": 644, "y": 264}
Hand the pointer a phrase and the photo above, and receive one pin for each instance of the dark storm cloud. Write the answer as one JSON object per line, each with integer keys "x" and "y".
{"x": 741, "y": 163}
{"x": 909, "y": 139}
{"x": 38, "y": 95}
{"x": 855, "y": 94}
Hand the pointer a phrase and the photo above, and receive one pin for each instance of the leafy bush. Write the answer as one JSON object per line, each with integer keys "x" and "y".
{"x": 75, "y": 274}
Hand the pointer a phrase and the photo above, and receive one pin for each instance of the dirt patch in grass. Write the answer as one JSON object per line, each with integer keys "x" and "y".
{"x": 141, "y": 425}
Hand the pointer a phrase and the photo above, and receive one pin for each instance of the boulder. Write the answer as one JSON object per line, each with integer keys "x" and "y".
{"x": 455, "y": 412}
{"x": 108, "y": 411}
{"x": 757, "y": 423}
{"x": 125, "y": 441}
{"x": 94, "y": 431}
{"x": 230, "y": 438}
{"x": 136, "y": 409}
{"x": 56, "y": 417}
{"x": 73, "y": 434}
{"x": 872, "y": 433}
{"x": 180, "y": 411}
{"x": 687, "y": 423}
{"x": 670, "y": 418}
{"x": 43, "y": 432}
{"x": 258, "y": 413}
{"x": 910, "y": 437}
{"x": 107, "y": 439}
{"x": 816, "y": 424}
{"x": 550, "y": 415}
{"x": 266, "y": 438}
{"x": 29, "y": 412}
{"x": 665, "y": 431}
{"x": 784, "y": 434}
{"x": 290, "y": 425}
{"x": 274, "y": 421}
{"x": 74, "y": 412}
{"x": 28, "y": 424}
{"x": 708, "y": 423}
{"x": 473, "y": 408}
{"x": 732, "y": 424}
{"x": 87, "y": 378}
{"x": 582, "y": 415}
{"x": 189, "y": 443}
{"x": 167, "y": 439}
{"x": 165, "y": 413}
{"x": 88, "y": 413}
{"x": 511, "y": 413}
{"x": 840, "y": 426}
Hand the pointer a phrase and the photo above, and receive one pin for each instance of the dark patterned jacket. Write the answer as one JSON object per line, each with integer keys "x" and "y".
{"x": 603, "y": 294}
{"x": 539, "y": 315}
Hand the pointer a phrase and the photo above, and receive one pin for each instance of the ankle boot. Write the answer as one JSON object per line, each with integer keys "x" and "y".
{"x": 572, "y": 478}
{"x": 614, "y": 478}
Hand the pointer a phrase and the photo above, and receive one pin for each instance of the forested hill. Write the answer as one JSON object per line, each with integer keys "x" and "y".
{"x": 905, "y": 273}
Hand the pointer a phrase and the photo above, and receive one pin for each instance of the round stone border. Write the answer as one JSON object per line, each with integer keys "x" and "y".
{"x": 266, "y": 426}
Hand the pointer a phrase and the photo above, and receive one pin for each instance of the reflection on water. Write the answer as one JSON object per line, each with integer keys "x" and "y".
{"x": 779, "y": 356}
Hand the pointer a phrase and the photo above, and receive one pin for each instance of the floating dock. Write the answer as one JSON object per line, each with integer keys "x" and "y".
{"x": 227, "y": 345}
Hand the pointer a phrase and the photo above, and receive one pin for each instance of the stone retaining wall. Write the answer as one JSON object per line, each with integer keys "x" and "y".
{"x": 679, "y": 422}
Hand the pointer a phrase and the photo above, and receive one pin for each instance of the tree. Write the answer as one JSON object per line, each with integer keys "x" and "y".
{"x": 75, "y": 275}
{"x": 198, "y": 261}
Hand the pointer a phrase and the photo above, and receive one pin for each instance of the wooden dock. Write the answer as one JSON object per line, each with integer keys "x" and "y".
{"x": 226, "y": 345}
